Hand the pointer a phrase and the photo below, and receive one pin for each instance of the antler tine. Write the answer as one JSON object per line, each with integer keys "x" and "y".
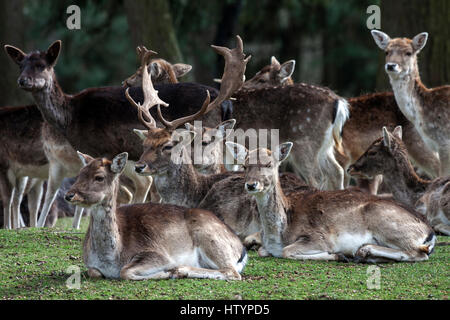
{"x": 232, "y": 80}
{"x": 172, "y": 125}
{"x": 150, "y": 95}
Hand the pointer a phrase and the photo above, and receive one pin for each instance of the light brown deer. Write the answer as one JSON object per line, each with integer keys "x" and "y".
{"x": 149, "y": 241}
{"x": 329, "y": 225}
{"x": 428, "y": 109}
{"x": 368, "y": 114}
{"x": 160, "y": 70}
{"x": 388, "y": 156}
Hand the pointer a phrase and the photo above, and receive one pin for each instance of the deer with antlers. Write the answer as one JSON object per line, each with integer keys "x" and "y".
{"x": 149, "y": 241}
{"x": 388, "y": 156}
{"x": 428, "y": 109}
{"x": 160, "y": 70}
{"x": 308, "y": 224}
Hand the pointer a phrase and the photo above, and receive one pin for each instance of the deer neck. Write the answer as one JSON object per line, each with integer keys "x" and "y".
{"x": 104, "y": 236}
{"x": 273, "y": 208}
{"x": 407, "y": 89}
{"x": 52, "y": 103}
{"x": 181, "y": 184}
{"x": 404, "y": 183}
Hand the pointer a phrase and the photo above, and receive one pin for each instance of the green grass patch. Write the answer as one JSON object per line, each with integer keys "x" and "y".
{"x": 34, "y": 263}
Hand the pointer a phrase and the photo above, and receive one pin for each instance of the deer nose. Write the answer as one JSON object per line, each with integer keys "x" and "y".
{"x": 391, "y": 66}
{"x": 23, "y": 81}
{"x": 69, "y": 196}
{"x": 139, "y": 167}
{"x": 251, "y": 186}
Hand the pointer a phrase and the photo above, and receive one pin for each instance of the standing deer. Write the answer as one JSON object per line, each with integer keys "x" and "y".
{"x": 96, "y": 114}
{"x": 368, "y": 114}
{"x": 388, "y": 156}
{"x": 311, "y": 116}
{"x": 428, "y": 109}
{"x": 329, "y": 225}
{"x": 160, "y": 70}
{"x": 149, "y": 241}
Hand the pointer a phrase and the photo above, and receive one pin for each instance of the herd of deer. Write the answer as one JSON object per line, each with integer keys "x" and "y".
{"x": 203, "y": 214}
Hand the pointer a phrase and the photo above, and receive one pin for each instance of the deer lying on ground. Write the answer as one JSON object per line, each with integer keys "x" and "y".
{"x": 160, "y": 70}
{"x": 149, "y": 241}
{"x": 368, "y": 114}
{"x": 329, "y": 225}
{"x": 97, "y": 114}
{"x": 388, "y": 156}
{"x": 427, "y": 109}
{"x": 311, "y": 116}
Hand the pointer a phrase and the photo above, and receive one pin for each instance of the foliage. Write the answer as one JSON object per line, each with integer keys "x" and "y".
{"x": 33, "y": 264}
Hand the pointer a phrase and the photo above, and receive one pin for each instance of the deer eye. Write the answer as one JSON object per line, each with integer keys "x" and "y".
{"x": 204, "y": 143}
{"x": 99, "y": 178}
{"x": 167, "y": 148}
{"x": 371, "y": 153}
{"x": 409, "y": 54}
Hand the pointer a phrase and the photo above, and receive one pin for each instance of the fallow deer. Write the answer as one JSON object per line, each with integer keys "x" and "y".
{"x": 428, "y": 109}
{"x": 97, "y": 114}
{"x": 160, "y": 70}
{"x": 311, "y": 116}
{"x": 308, "y": 224}
{"x": 388, "y": 156}
{"x": 149, "y": 241}
{"x": 368, "y": 114}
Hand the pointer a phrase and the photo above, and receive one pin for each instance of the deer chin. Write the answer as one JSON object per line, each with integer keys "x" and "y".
{"x": 154, "y": 171}
{"x": 36, "y": 85}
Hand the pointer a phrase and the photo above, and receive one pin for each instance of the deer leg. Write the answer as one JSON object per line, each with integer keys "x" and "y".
{"x": 142, "y": 183}
{"x": 442, "y": 228}
{"x": 55, "y": 178}
{"x": 21, "y": 184}
{"x": 202, "y": 273}
{"x": 444, "y": 157}
{"x": 147, "y": 265}
{"x": 34, "y": 200}
{"x": 373, "y": 253}
{"x": 253, "y": 240}
{"x": 94, "y": 273}
{"x": 77, "y": 217}
{"x": 5, "y": 190}
{"x": 308, "y": 251}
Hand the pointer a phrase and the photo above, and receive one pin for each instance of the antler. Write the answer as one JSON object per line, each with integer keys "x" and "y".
{"x": 142, "y": 53}
{"x": 150, "y": 94}
{"x": 232, "y": 80}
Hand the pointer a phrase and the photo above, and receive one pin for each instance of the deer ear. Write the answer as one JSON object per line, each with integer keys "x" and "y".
{"x": 119, "y": 162}
{"x": 386, "y": 138}
{"x": 189, "y": 126}
{"x": 286, "y": 70}
{"x": 282, "y": 151}
{"x": 186, "y": 136}
{"x": 53, "y": 52}
{"x": 398, "y": 132}
{"x": 181, "y": 69}
{"x": 141, "y": 133}
{"x": 154, "y": 69}
{"x": 238, "y": 151}
{"x": 420, "y": 41}
{"x": 274, "y": 62}
{"x": 16, "y": 54}
{"x": 85, "y": 159}
{"x": 224, "y": 129}
{"x": 381, "y": 39}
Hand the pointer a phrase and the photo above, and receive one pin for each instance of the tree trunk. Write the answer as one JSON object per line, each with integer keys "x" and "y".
{"x": 406, "y": 18}
{"x": 150, "y": 24}
{"x": 11, "y": 32}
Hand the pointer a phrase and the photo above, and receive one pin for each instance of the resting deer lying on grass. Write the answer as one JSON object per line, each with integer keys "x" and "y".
{"x": 160, "y": 70}
{"x": 328, "y": 225}
{"x": 428, "y": 109}
{"x": 149, "y": 241}
{"x": 388, "y": 156}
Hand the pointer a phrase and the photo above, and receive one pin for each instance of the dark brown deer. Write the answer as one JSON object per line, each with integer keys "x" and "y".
{"x": 149, "y": 241}
{"x": 308, "y": 224}
{"x": 160, "y": 70}
{"x": 388, "y": 156}
{"x": 428, "y": 109}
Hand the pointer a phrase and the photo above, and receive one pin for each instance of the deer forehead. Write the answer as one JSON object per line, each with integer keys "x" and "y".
{"x": 400, "y": 44}
{"x": 260, "y": 156}
{"x": 156, "y": 138}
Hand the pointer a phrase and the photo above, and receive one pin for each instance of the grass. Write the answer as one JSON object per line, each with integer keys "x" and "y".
{"x": 33, "y": 264}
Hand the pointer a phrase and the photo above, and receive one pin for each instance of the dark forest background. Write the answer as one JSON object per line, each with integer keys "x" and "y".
{"x": 328, "y": 39}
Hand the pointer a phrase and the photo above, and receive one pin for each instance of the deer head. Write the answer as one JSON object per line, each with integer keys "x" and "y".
{"x": 97, "y": 181}
{"x": 161, "y": 145}
{"x": 160, "y": 70}
{"x": 381, "y": 156}
{"x": 274, "y": 74}
{"x": 260, "y": 165}
{"x": 36, "y": 68}
{"x": 401, "y": 53}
